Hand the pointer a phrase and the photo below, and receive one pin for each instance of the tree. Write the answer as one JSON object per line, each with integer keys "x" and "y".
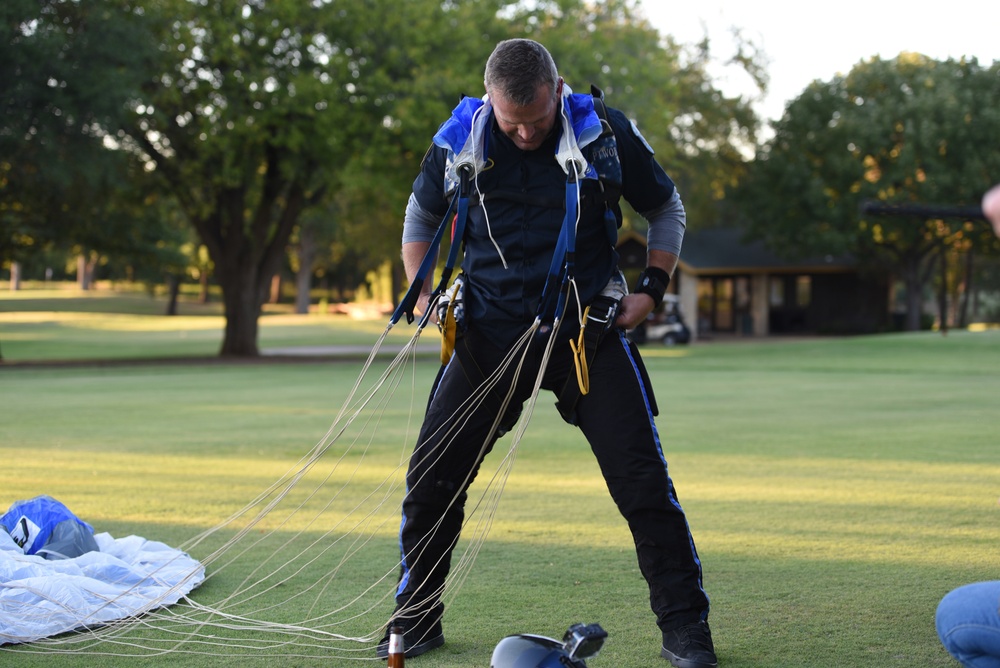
{"x": 251, "y": 113}
{"x": 909, "y": 130}
{"x": 68, "y": 70}
{"x": 262, "y": 110}
{"x": 236, "y": 123}
{"x": 700, "y": 135}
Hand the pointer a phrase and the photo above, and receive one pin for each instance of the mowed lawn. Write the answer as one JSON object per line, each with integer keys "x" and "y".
{"x": 836, "y": 488}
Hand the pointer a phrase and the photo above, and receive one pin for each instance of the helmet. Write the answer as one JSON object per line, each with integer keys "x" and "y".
{"x": 530, "y": 651}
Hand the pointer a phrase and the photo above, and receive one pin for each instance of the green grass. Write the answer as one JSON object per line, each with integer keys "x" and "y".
{"x": 836, "y": 488}
{"x": 62, "y": 323}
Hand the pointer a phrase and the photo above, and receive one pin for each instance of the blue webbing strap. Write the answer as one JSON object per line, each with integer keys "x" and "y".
{"x": 413, "y": 293}
{"x": 563, "y": 259}
{"x": 458, "y": 233}
{"x": 409, "y": 301}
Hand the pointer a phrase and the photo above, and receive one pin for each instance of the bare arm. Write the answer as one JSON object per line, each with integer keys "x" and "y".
{"x": 413, "y": 255}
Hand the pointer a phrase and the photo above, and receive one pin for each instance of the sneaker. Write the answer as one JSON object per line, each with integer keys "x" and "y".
{"x": 418, "y": 638}
{"x": 689, "y": 646}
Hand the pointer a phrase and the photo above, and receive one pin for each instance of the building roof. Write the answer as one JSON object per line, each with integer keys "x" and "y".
{"x": 722, "y": 250}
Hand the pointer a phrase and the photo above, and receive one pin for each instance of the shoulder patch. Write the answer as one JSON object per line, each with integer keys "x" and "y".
{"x": 638, "y": 135}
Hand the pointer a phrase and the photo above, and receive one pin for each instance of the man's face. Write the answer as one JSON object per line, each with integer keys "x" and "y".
{"x": 527, "y": 126}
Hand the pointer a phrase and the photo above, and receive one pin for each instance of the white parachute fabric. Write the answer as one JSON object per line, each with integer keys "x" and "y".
{"x": 128, "y": 577}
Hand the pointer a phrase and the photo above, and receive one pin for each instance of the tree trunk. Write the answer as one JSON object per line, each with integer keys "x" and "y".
{"x": 303, "y": 283}
{"x": 15, "y": 276}
{"x": 174, "y": 287}
{"x": 398, "y": 282}
{"x": 942, "y": 296}
{"x": 275, "y": 293}
{"x": 203, "y": 287}
{"x": 914, "y": 298}
{"x": 967, "y": 288}
{"x": 85, "y": 270}
{"x": 303, "y": 279}
{"x": 247, "y": 249}
{"x": 245, "y": 278}
{"x": 242, "y": 301}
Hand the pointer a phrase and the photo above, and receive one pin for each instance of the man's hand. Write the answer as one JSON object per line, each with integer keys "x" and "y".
{"x": 633, "y": 310}
{"x": 991, "y": 207}
{"x": 636, "y": 306}
{"x": 421, "y": 307}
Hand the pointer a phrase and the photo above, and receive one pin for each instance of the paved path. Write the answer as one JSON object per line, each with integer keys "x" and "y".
{"x": 352, "y": 351}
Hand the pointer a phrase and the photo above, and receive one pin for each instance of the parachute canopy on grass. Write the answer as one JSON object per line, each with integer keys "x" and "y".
{"x": 57, "y": 576}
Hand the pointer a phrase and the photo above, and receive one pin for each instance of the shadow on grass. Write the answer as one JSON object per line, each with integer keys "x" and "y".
{"x": 766, "y": 612}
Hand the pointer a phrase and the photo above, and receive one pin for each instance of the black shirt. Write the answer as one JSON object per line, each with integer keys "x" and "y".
{"x": 523, "y": 193}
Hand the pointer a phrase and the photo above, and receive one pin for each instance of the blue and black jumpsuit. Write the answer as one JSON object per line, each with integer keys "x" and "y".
{"x": 523, "y": 193}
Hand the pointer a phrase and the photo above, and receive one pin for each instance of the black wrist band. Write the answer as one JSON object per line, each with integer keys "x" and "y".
{"x": 653, "y": 281}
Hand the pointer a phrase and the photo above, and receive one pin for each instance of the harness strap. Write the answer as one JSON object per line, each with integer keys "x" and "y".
{"x": 460, "y": 201}
{"x": 563, "y": 258}
{"x": 599, "y": 319}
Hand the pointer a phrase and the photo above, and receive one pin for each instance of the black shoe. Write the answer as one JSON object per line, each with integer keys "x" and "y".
{"x": 418, "y": 637}
{"x": 689, "y": 646}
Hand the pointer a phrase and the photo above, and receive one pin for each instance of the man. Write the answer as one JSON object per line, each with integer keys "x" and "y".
{"x": 517, "y": 212}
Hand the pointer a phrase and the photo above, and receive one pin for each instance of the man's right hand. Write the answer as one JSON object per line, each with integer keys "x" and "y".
{"x": 423, "y": 302}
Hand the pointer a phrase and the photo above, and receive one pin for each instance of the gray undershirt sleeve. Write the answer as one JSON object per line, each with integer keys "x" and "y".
{"x": 666, "y": 225}
{"x": 418, "y": 224}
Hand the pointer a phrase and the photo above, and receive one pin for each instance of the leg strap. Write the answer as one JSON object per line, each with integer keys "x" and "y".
{"x": 599, "y": 318}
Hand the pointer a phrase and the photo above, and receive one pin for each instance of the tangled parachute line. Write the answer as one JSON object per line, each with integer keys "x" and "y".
{"x": 309, "y": 567}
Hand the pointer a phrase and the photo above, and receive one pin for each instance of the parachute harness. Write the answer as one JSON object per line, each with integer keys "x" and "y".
{"x": 465, "y": 138}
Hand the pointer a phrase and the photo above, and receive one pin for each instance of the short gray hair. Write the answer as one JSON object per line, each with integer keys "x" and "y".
{"x": 516, "y": 68}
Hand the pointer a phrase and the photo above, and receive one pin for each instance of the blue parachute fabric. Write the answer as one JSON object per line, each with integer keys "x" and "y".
{"x": 35, "y": 524}
{"x": 454, "y": 132}
{"x": 586, "y": 122}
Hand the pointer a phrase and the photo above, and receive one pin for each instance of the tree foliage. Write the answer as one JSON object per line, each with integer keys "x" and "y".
{"x": 69, "y": 70}
{"x": 700, "y": 135}
{"x": 261, "y": 110}
{"x": 909, "y": 130}
{"x": 257, "y": 115}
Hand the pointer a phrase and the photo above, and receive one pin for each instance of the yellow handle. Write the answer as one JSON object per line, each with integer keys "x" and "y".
{"x": 448, "y": 328}
{"x": 580, "y": 358}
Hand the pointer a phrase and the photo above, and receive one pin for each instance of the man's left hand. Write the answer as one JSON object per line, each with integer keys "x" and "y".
{"x": 633, "y": 310}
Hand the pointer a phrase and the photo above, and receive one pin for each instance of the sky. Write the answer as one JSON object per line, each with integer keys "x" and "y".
{"x": 805, "y": 41}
